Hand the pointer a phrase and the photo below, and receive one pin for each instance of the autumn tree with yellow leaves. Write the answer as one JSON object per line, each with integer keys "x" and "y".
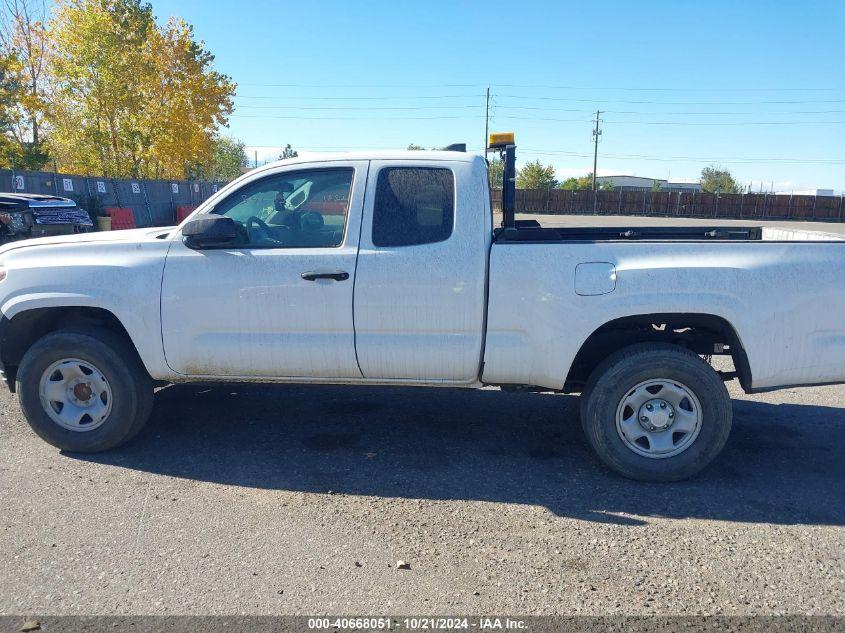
{"x": 24, "y": 51}
{"x": 131, "y": 98}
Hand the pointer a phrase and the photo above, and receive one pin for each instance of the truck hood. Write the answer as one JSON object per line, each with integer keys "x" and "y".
{"x": 104, "y": 237}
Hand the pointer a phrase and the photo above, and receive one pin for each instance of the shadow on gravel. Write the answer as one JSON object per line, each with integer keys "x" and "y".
{"x": 783, "y": 463}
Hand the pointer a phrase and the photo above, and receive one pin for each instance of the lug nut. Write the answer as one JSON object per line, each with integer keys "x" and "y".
{"x": 662, "y": 405}
{"x": 649, "y": 407}
{"x": 643, "y": 419}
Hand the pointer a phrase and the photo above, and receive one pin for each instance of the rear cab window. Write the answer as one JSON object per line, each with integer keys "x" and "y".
{"x": 413, "y": 206}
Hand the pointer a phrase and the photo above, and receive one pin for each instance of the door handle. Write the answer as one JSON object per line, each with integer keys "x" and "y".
{"x": 337, "y": 275}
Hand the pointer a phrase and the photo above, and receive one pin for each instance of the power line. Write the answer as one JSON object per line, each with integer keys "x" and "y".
{"x": 674, "y": 112}
{"x": 667, "y": 158}
{"x": 553, "y": 152}
{"x": 729, "y": 123}
{"x": 675, "y": 89}
{"x": 556, "y": 87}
{"x": 357, "y": 85}
{"x": 682, "y": 123}
{"x": 347, "y": 118}
{"x": 365, "y": 108}
{"x": 518, "y": 118}
{"x": 533, "y": 98}
{"x": 651, "y": 102}
{"x": 534, "y": 108}
{"x": 358, "y": 98}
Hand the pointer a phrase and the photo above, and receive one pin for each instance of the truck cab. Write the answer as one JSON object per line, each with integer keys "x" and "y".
{"x": 346, "y": 269}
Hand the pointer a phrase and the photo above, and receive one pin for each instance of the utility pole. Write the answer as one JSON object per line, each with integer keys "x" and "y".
{"x": 596, "y": 134}
{"x": 486, "y": 123}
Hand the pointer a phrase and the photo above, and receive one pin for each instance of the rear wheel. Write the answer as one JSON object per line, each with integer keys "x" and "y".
{"x": 84, "y": 390}
{"x": 656, "y": 412}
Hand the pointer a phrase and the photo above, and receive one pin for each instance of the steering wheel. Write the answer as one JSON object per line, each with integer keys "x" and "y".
{"x": 258, "y": 230}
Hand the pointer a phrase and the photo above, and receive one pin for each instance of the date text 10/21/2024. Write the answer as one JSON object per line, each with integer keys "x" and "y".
{"x": 418, "y": 623}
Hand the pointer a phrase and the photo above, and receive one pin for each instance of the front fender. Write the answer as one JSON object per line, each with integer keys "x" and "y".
{"x": 121, "y": 277}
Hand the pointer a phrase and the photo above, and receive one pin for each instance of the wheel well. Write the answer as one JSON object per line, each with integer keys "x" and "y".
{"x": 18, "y": 334}
{"x": 704, "y": 334}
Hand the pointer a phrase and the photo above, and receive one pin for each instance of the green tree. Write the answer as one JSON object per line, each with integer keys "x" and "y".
{"x": 581, "y": 182}
{"x": 535, "y": 175}
{"x": 228, "y": 160}
{"x": 415, "y": 147}
{"x": 585, "y": 182}
{"x": 495, "y": 172}
{"x": 717, "y": 180}
{"x": 288, "y": 152}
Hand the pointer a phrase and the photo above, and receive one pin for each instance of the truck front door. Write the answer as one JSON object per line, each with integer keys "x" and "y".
{"x": 278, "y": 302}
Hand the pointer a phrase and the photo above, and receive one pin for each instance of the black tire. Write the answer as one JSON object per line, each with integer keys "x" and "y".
{"x": 612, "y": 381}
{"x": 131, "y": 386}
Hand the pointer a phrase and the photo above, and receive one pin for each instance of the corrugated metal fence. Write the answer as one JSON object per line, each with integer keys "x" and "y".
{"x": 153, "y": 202}
{"x": 760, "y": 206}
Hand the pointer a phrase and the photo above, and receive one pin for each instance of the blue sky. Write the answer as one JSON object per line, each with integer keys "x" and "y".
{"x": 758, "y": 87}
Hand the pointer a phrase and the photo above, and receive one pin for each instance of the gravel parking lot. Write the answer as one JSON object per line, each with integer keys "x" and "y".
{"x": 300, "y": 500}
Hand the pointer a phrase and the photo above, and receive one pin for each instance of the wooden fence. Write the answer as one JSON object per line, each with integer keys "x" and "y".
{"x": 761, "y": 206}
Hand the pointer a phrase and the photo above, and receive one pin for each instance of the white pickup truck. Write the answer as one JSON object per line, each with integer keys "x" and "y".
{"x": 385, "y": 268}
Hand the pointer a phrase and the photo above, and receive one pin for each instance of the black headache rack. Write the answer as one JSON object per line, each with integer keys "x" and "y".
{"x": 513, "y": 230}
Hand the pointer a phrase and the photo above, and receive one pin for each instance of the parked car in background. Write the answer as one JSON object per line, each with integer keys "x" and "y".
{"x": 24, "y": 215}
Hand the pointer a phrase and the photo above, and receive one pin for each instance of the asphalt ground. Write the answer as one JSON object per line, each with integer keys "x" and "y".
{"x": 301, "y": 500}
{"x": 249, "y": 499}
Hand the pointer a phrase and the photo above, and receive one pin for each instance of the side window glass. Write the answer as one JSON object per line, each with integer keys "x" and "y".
{"x": 303, "y": 209}
{"x": 413, "y": 205}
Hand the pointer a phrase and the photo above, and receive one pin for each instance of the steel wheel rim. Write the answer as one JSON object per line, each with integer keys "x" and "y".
{"x": 75, "y": 394}
{"x": 659, "y": 418}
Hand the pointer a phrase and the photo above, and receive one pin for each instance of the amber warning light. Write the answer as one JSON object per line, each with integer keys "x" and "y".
{"x": 500, "y": 139}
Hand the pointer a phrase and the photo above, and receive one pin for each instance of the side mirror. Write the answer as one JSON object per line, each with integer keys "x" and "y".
{"x": 210, "y": 231}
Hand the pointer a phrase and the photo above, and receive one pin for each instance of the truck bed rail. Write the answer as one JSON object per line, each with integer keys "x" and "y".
{"x": 531, "y": 231}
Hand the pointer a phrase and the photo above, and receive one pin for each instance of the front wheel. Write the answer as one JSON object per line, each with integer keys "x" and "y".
{"x": 84, "y": 390}
{"x": 656, "y": 412}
